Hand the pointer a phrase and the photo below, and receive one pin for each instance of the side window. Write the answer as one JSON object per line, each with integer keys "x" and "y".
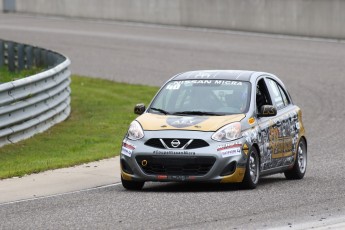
{"x": 262, "y": 95}
{"x": 278, "y": 95}
{"x": 284, "y": 95}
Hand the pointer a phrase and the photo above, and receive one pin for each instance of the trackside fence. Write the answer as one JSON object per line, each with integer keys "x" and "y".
{"x": 35, "y": 103}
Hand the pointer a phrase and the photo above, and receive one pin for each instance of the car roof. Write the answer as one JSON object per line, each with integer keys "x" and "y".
{"x": 239, "y": 75}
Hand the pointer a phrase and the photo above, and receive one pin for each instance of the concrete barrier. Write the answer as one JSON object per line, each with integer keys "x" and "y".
{"x": 315, "y": 18}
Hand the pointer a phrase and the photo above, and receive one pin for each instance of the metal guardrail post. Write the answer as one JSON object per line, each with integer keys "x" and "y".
{"x": 37, "y": 57}
{"x": 1, "y": 53}
{"x": 10, "y": 57}
{"x": 44, "y": 58}
{"x": 28, "y": 57}
{"x": 20, "y": 57}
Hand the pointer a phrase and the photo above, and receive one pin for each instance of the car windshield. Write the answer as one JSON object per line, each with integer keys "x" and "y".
{"x": 202, "y": 97}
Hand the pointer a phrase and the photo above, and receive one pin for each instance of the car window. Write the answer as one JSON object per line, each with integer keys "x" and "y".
{"x": 262, "y": 95}
{"x": 216, "y": 96}
{"x": 278, "y": 97}
{"x": 284, "y": 95}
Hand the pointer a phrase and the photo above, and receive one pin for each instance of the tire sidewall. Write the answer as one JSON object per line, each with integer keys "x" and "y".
{"x": 296, "y": 166}
{"x": 248, "y": 182}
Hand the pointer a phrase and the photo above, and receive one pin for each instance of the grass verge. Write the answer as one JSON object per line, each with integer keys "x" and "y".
{"x": 101, "y": 113}
{"x": 6, "y": 76}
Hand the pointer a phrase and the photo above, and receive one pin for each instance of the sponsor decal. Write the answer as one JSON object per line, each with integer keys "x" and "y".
{"x": 177, "y": 177}
{"x": 220, "y": 82}
{"x": 126, "y": 151}
{"x": 183, "y": 122}
{"x": 127, "y": 148}
{"x": 228, "y": 146}
{"x": 183, "y": 153}
{"x": 232, "y": 149}
{"x": 175, "y": 85}
{"x": 231, "y": 152}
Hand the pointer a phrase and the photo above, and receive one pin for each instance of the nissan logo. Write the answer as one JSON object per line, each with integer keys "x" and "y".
{"x": 175, "y": 143}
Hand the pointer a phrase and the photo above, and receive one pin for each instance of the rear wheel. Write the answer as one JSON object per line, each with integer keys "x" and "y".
{"x": 300, "y": 166}
{"x": 132, "y": 185}
{"x": 252, "y": 174}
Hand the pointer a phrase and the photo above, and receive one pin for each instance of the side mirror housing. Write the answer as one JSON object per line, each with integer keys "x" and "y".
{"x": 267, "y": 111}
{"x": 139, "y": 109}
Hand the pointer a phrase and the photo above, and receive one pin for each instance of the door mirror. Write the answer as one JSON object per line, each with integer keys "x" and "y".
{"x": 139, "y": 109}
{"x": 267, "y": 111}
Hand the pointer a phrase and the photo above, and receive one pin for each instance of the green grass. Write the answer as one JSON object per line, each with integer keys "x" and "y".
{"x": 101, "y": 113}
{"x": 6, "y": 76}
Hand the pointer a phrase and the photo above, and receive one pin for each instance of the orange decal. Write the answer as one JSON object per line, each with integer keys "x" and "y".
{"x": 251, "y": 120}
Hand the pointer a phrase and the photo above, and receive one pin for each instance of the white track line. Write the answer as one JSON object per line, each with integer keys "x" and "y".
{"x": 60, "y": 194}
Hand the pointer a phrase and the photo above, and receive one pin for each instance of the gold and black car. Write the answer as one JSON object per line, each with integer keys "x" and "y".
{"x": 226, "y": 126}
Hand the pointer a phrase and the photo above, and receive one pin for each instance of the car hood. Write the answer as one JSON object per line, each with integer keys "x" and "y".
{"x": 154, "y": 122}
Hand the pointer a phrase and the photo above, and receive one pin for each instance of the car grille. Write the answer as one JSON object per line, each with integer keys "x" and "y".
{"x": 187, "y": 166}
{"x": 165, "y": 143}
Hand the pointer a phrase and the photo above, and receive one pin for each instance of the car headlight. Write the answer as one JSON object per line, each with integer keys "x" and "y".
{"x": 135, "y": 132}
{"x": 228, "y": 133}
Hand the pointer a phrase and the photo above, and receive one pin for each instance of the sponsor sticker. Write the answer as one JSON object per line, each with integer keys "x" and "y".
{"x": 228, "y": 146}
{"x": 127, "y": 148}
{"x": 219, "y": 82}
{"x": 181, "y": 153}
{"x": 228, "y": 150}
{"x": 177, "y": 84}
{"x": 179, "y": 178}
{"x": 174, "y": 86}
{"x": 231, "y": 152}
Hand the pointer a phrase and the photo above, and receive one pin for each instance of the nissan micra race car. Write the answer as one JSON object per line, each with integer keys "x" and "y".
{"x": 215, "y": 126}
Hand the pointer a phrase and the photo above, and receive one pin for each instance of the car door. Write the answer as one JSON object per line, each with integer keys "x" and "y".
{"x": 283, "y": 126}
{"x": 270, "y": 142}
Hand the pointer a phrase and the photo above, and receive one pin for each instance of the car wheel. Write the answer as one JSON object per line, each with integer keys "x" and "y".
{"x": 252, "y": 174}
{"x": 132, "y": 185}
{"x": 300, "y": 166}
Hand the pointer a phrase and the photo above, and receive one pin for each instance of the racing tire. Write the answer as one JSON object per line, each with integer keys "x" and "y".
{"x": 132, "y": 185}
{"x": 252, "y": 174}
{"x": 300, "y": 165}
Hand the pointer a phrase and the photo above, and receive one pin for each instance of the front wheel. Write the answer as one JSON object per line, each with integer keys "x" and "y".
{"x": 300, "y": 166}
{"x": 132, "y": 185}
{"x": 252, "y": 174}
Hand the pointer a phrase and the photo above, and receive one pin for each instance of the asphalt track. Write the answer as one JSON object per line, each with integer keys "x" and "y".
{"x": 312, "y": 69}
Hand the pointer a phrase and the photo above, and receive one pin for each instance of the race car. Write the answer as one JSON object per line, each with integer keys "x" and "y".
{"x": 225, "y": 126}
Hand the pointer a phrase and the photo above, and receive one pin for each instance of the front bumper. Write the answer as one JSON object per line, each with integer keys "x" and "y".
{"x": 217, "y": 162}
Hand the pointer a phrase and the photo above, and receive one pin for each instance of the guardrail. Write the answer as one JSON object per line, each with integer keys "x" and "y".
{"x": 33, "y": 104}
